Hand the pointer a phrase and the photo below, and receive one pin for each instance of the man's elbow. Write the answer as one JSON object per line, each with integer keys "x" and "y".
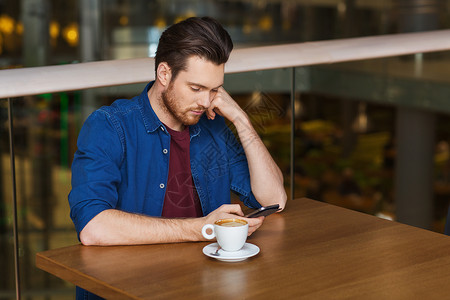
{"x": 282, "y": 199}
{"x": 278, "y": 196}
{"x": 88, "y": 237}
{"x": 93, "y": 233}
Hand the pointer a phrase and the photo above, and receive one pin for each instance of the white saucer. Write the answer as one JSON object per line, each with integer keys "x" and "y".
{"x": 247, "y": 251}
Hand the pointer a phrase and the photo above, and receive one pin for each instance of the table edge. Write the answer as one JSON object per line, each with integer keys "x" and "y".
{"x": 43, "y": 262}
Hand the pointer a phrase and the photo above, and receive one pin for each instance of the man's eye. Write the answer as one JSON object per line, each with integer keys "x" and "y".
{"x": 214, "y": 90}
{"x": 195, "y": 89}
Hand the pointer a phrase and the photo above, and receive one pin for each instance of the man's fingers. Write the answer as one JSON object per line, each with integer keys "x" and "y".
{"x": 210, "y": 113}
{"x": 223, "y": 105}
{"x": 254, "y": 224}
{"x": 232, "y": 209}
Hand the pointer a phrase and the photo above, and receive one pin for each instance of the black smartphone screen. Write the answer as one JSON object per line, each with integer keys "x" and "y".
{"x": 264, "y": 211}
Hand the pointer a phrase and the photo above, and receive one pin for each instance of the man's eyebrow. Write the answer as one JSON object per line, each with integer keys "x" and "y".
{"x": 202, "y": 86}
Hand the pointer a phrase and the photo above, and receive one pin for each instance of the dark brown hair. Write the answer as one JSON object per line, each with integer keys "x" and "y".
{"x": 203, "y": 37}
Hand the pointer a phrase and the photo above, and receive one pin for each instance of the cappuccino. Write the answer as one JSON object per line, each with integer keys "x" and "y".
{"x": 231, "y": 234}
{"x": 231, "y": 222}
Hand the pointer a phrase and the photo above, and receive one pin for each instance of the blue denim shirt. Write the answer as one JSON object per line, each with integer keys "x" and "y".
{"x": 122, "y": 162}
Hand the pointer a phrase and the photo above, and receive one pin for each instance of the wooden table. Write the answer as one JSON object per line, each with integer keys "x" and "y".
{"x": 311, "y": 250}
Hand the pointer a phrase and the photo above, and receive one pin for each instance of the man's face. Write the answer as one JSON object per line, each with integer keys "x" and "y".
{"x": 190, "y": 94}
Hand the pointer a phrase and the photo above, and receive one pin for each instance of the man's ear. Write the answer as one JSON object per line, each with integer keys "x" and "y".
{"x": 164, "y": 74}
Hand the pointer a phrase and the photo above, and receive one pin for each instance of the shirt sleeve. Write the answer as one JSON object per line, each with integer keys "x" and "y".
{"x": 240, "y": 174}
{"x": 95, "y": 169}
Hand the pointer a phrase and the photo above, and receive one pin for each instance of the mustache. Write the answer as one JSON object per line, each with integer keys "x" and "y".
{"x": 198, "y": 109}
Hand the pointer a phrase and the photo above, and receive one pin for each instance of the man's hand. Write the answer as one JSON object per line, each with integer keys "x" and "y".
{"x": 225, "y": 106}
{"x": 233, "y": 211}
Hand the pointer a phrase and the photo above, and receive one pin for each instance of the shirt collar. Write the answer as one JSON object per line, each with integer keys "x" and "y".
{"x": 151, "y": 120}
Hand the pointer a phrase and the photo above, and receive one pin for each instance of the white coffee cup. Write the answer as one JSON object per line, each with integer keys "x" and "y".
{"x": 231, "y": 234}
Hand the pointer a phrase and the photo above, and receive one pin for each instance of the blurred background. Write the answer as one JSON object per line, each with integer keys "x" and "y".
{"x": 356, "y": 123}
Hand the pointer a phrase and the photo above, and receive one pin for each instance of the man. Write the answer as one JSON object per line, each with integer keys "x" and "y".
{"x": 156, "y": 168}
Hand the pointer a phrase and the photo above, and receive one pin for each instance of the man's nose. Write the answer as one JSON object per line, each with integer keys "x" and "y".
{"x": 204, "y": 101}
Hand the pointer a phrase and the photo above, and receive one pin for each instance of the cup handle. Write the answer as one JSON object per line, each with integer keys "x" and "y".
{"x": 208, "y": 236}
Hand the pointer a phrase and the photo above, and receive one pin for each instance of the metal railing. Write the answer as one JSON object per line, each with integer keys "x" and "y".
{"x": 50, "y": 79}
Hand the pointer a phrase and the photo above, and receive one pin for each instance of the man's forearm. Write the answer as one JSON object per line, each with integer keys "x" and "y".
{"x": 265, "y": 176}
{"x": 115, "y": 227}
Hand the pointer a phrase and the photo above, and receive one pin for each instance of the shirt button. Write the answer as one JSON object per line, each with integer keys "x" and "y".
{"x": 162, "y": 128}
{"x": 161, "y": 185}
{"x": 165, "y": 151}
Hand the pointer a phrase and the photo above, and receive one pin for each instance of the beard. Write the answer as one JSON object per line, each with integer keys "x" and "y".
{"x": 175, "y": 109}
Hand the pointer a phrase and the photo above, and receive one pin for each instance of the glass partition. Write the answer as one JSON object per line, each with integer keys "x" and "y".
{"x": 350, "y": 128}
{"x": 45, "y": 133}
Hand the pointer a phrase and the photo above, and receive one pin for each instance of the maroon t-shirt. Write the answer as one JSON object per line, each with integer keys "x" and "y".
{"x": 181, "y": 199}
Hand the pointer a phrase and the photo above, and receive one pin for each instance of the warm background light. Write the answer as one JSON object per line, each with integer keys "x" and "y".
{"x": 160, "y": 23}
{"x": 54, "y": 29}
{"x": 70, "y": 34}
{"x": 19, "y": 28}
{"x": 123, "y": 20}
{"x": 265, "y": 23}
{"x": 7, "y": 24}
{"x": 188, "y": 14}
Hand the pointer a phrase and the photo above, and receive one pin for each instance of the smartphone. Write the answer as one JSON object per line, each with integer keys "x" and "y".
{"x": 264, "y": 211}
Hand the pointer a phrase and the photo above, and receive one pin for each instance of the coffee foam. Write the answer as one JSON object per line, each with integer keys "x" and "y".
{"x": 231, "y": 222}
